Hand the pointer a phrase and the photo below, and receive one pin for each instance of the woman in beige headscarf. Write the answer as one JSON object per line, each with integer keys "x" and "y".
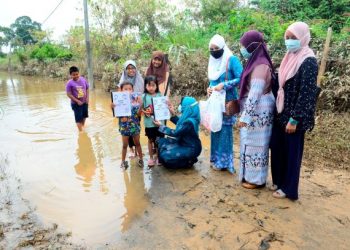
{"x": 296, "y": 101}
{"x": 159, "y": 67}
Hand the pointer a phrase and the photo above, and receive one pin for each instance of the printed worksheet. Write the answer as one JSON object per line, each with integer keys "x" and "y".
{"x": 122, "y": 103}
{"x": 161, "y": 110}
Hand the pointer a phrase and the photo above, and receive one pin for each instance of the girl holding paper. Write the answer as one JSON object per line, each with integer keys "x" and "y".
{"x": 224, "y": 72}
{"x": 132, "y": 75}
{"x": 129, "y": 126}
{"x": 151, "y": 130}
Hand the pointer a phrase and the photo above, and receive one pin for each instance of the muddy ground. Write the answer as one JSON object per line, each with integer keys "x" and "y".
{"x": 203, "y": 209}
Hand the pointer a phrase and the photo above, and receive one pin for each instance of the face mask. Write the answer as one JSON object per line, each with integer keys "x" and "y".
{"x": 179, "y": 108}
{"x": 217, "y": 53}
{"x": 292, "y": 45}
{"x": 245, "y": 53}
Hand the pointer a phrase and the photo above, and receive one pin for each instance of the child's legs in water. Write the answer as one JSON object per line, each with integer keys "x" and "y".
{"x": 125, "y": 140}
{"x": 138, "y": 146}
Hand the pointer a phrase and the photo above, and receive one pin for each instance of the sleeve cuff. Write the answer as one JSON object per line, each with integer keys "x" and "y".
{"x": 292, "y": 121}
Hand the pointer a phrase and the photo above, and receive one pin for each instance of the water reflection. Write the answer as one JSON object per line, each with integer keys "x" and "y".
{"x": 135, "y": 200}
{"x": 86, "y": 165}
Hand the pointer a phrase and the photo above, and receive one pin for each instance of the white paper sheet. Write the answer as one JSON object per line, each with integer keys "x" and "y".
{"x": 161, "y": 109}
{"x": 122, "y": 103}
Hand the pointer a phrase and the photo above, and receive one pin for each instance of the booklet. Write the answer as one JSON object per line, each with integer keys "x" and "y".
{"x": 122, "y": 103}
{"x": 160, "y": 108}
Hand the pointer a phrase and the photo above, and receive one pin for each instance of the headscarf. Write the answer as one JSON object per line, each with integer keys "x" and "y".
{"x": 216, "y": 67}
{"x": 137, "y": 80}
{"x": 292, "y": 60}
{"x": 190, "y": 112}
{"x": 160, "y": 72}
{"x": 253, "y": 41}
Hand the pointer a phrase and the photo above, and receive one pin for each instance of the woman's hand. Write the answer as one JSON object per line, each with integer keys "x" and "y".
{"x": 157, "y": 123}
{"x": 290, "y": 129}
{"x": 242, "y": 124}
{"x": 112, "y": 105}
{"x": 171, "y": 108}
{"x": 209, "y": 91}
{"x": 219, "y": 87}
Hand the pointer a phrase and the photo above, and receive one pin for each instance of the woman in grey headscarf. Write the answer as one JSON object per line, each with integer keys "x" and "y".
{"x": 132, "y": 75}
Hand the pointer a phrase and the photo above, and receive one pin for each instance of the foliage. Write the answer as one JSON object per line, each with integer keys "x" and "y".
{"x": 50, "y": 51}
{"x": 138, "y": 16}
{"x": 333, "y": 12}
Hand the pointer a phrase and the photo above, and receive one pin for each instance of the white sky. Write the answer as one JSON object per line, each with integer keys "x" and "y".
{"x": 69, "y": 13}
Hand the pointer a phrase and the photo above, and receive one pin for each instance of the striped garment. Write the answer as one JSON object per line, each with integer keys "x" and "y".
{"x": 257, "y": 112}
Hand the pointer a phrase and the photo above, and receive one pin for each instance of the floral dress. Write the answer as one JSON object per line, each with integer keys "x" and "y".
{"x": 257, "y": 112}
{"x": 130, "y": 125}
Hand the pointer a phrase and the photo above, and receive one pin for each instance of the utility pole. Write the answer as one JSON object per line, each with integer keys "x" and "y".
{"x": 88, "y": 46}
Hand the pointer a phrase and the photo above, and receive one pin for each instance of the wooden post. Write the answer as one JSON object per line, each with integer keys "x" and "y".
{"x": 88, "y": 47}
{"x": 324, "y": 57}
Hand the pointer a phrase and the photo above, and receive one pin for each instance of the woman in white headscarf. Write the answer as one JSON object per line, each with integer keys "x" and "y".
{"x": 132, "y": 75}
{"x": 224, "y": 72}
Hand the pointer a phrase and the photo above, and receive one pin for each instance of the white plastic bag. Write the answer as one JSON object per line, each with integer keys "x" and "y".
{"x": 211, "y": 111}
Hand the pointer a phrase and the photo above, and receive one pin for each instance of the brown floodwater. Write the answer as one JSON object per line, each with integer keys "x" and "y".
{"x": 72, "y": 179}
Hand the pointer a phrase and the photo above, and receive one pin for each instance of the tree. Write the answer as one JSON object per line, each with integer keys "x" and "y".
{"x": 23, "y": 27}
{"x": 148, "y": 17}
{"x": 20, "y": 33}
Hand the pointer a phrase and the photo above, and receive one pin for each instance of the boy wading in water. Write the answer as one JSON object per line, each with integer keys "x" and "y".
{"x": 77, "y": 89}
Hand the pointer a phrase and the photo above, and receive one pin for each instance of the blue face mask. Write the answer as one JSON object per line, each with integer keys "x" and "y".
{"x": 245, "y": 53}
{"x": 179, "y": 109}
{"x": 292, "y": 45}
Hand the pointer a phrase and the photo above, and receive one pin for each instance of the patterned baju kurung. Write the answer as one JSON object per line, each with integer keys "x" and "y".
{"x": 221, "y": 148}
{"x": 257, "y": 112}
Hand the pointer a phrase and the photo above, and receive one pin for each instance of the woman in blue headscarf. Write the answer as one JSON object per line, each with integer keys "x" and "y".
{"x": 183, "y": 146}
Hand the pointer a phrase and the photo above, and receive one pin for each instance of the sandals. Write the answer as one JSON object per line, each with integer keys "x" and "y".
{"x": 124, "y": 165}
{"x": 273, "y": 187}
{"x": 279, "y": 194}
{"x": 248, "y": 185}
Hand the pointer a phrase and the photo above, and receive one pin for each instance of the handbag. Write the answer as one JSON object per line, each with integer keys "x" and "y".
{"x": 231, "y": 107}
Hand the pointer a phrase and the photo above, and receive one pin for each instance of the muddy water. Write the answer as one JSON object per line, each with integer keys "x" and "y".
{"x": 72, "y": 179}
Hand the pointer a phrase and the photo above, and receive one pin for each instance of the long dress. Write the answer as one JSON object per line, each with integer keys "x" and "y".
{"x": 221, "y": 148}
{"x": 300, "y": 95}
{"x": 182, "y": 150}
{"x": 257, "y": 112}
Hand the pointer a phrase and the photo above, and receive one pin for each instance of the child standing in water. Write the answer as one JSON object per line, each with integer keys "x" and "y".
{"x": 130, "y": 126}
{"x": 151, "y": 130}
{"x": 77, "y": 89}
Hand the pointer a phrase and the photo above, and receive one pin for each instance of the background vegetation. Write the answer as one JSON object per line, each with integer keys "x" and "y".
{"x": 123, "y": 29}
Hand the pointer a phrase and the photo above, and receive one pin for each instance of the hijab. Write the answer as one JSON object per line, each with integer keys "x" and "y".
{"x": 137, "y": 80}
{"x": 160, "y": 72}
{"x": 216, "y": 67}
{"x": 292, "y": 60}
{"x": 190, "y": 112}
{"x": 253, "y": 41}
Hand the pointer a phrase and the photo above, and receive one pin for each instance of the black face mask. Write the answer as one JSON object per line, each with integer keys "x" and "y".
{"x": 217, "y": 53}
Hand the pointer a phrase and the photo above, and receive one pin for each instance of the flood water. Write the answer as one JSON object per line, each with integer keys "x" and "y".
{"x": 72, "y": 179}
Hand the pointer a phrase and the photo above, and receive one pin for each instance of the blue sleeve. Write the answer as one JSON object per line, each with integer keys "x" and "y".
{"x": 180, "y": 130}
{"x": 236, "y": 69}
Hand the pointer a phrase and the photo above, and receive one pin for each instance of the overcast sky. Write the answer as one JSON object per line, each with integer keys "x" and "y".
{"x": 70, "y": 12}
